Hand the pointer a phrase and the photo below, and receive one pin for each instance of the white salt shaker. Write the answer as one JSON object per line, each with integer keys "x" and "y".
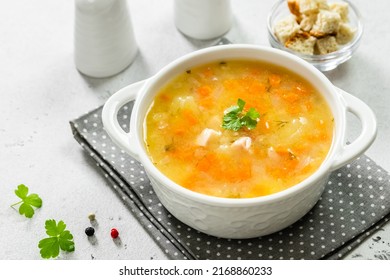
{"x": 104, "y": 42}
{"x": 203, "y": 19}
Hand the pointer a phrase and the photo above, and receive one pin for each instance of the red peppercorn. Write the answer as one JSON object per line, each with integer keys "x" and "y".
{"x": 114, "y": 233}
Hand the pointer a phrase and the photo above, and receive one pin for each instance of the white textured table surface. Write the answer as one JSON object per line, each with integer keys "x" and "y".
{"x": 41, "y": 90}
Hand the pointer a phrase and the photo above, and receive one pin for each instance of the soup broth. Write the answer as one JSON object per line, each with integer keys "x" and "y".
{"x": 187, "y": 141}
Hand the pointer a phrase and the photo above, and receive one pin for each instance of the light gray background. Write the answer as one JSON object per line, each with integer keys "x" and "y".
{"x": 41, "y": 90}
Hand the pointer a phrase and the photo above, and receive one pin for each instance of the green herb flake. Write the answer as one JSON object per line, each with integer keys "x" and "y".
{"x": 292, "y": 155}
{"x": 281, "y": 124}
{"x": 234, "y": 119}
{"x": 59, "y": 238}
{"x": 28, "y": 202}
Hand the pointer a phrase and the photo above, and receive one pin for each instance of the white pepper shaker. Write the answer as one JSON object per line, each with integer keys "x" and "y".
{"x": 104, "y": 42}
{"x": 203, "y": 19}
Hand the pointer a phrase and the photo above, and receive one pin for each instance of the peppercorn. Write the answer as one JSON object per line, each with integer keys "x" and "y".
{"x": 114, "y": 233}
{"x": 91, "y": 217}
{"x": 89, "y": 231}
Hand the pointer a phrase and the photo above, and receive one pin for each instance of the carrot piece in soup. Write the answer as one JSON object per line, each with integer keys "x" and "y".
{"x": 205, "y": 96}
{"x": 236, "y": 170}
{"x": 291, "y": 97}
{"x": 181, "y": 154}
{"x": 165, "y": 97}
{"x": 189, "y": 117}
{"x": 178, "y": 127}
{"x": 285, "y": 165}
{"x": 231, "y": 84}
{"x": 257, "y": 88}
{"x": 207, "y": 162}
{"x": 274, "y": 80}
{"x": 301, "y": 89}
{"x": 207, "y": 72}
{"x": 203, "y": 91}
{"x": 262, "y": 189}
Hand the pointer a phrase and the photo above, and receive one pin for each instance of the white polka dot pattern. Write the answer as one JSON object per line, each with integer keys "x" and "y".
{"x": 355, "y": 201}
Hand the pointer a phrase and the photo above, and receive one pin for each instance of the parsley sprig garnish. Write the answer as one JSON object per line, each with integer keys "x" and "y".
{"x": 59, "y": 238}
{"x": 234, "y": 119}
{"x": 28, "y": 201}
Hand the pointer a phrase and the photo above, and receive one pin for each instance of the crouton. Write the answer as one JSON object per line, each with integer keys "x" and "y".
{"x": 326, "y": 45}
{"x": 345, "y": 34}
{"x": 308, "y": 7}
{"x": 286, "y": 29}
{"x": 327, "y": 23}
{"x": 341, "y": 9}
{"x": 294, "y": 7}
{"x": 322, "y": 4}
{"x": 308, "y": 22}
{"x": 302, "y": 43}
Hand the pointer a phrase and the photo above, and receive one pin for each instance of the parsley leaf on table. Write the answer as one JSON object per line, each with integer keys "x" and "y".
{"x": 233, "y": 119}
{"x": 59, "y": 239}
{"x": 28, "y": 201}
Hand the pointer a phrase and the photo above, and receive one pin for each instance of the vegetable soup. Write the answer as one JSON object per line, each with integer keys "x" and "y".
{"x": 238, "y": 129}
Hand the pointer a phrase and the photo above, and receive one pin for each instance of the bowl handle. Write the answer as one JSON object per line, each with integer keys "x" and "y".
{"x": 367, "y": 134}
{"x": 110, "y": 117}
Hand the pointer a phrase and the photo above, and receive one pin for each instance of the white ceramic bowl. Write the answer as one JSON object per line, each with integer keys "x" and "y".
{"x": 248, "y": 217}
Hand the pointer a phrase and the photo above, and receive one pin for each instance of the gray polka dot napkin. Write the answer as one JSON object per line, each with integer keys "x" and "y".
{"x": 355, "y": 203}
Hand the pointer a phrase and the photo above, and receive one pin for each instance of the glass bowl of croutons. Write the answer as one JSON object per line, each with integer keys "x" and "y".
{"x": 325, "y": 33}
